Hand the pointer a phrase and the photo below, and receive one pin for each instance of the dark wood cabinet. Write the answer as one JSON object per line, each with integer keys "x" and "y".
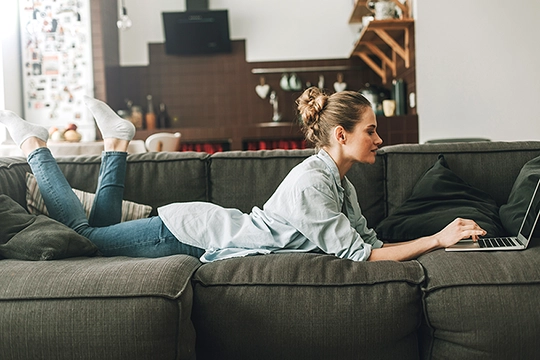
{"x": 393, "y": 130}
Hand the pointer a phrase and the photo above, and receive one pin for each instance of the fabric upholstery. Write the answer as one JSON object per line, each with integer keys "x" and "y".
{"x": 97, "y": 308}
{"x": 154, "y": 179}
{"x": 287, "y": 306}
{"x": 306, "y": 306}
{"x": 12, "y": 173}
{"x": 484, "y": 165}
{"x": 36, "y": 204}
{"x": 482, "y": 305}
{"x": 439, "y": 197}
{"x": 30, "y": 237}
{"x": 513, "y": 211}
{"x": 246, "y": 179}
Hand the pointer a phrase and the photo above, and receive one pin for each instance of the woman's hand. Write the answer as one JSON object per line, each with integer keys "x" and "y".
{"x": 457, "y": 230}
{"x": 451, "y": 234}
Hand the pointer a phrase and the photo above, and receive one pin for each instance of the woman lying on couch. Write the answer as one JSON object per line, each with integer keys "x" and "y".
{"x": 314, "y": 209}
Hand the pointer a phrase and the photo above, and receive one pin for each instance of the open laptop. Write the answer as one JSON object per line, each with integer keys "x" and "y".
{"x": 519, "y": 242}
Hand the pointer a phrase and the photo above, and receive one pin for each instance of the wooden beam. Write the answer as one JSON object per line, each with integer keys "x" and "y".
{"x": 385, "y": 59}
{"x": 389, "y": 40}
{"x": 381, "y": 71}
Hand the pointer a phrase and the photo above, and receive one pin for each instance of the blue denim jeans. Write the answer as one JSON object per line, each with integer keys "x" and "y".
{"x": 137, "y": 238}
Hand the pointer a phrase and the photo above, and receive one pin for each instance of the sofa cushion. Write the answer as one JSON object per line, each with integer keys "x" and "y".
{"x": 484, "y": 165}
{"x": 154, "y": 179}
{"x": 12, "y": 174}
{"x": 97, "y": 308}
{"x": 307, "y": 306}
{"x": 36, "y": 205}
{"x": 482, "y": 305}
{"x": 29, "y": 237}
{"x": 243, "y": 179}
{"x": 437, "y": 199}
{"x": 520, "y": 196}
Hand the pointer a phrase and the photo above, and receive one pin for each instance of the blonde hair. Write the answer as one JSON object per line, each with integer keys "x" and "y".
{"x": 320, "y": 113}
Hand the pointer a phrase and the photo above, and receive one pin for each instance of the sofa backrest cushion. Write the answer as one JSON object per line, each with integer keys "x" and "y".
{"x": 153, "y": 179}
{"x": 490, "y": 166}
{"x": 512, "y": 213}
{"x": 12, "y": 178}
{"x": 246, "y": 179}
{"x": 438, "y": 198}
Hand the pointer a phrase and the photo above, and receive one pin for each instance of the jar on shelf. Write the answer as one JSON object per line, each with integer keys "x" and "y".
{"x": 137, "y": 116}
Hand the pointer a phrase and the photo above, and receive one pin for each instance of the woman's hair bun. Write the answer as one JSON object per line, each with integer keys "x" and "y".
{"x": 310, "y": 105}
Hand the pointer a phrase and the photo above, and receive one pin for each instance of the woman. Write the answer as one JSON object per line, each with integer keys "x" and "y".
{"x": 314, "y": 209}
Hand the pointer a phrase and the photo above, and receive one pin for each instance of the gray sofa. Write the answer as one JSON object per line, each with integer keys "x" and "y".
{"x": 287, "y": 306}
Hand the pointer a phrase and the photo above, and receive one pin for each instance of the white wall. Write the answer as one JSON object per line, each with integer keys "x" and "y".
{"x": 478, "y": 69}
{"x": 478, "y": 72}
{"x": 10, "y": 63}
{"x": 274, "y": 30}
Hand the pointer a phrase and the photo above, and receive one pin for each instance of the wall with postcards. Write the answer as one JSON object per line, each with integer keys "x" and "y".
{"x": 57, "y": 63}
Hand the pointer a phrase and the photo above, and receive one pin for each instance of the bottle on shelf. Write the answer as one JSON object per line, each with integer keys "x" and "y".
{"x": 137, "y": 116}
{"x": 150, "y": 114}
{"x": 399, "y": 96}
{"x": 164, "y": 121}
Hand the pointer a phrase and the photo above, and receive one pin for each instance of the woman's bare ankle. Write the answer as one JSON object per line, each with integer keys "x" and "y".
{"x": 113, "y": 144}
{"x": 31, "y": 144}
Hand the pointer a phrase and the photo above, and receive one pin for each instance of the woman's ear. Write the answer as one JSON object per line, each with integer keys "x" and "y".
{"x": 340, "y": 134}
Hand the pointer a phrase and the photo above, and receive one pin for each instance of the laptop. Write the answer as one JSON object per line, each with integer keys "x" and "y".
{"x": 519, "y": 242}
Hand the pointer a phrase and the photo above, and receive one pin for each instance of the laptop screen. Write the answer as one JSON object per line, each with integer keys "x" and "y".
{"x": 531, "y": 216}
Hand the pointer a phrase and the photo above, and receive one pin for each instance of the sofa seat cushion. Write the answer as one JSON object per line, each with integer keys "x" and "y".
{"x": 97, "y": 308}
{"x": 307, "y": 306}
{"x": 482, "y": 305}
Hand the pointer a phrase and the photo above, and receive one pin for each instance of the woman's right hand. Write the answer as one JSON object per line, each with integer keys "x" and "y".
{"x": 457, "y": 230}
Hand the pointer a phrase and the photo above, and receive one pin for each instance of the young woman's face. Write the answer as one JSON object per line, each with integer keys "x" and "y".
{"x": 364, "y": 140}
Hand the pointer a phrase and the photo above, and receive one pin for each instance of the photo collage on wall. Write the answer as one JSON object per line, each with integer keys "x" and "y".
{"x": 57, "y": 63}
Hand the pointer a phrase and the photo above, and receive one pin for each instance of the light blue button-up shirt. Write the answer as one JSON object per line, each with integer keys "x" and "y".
{"x": 304, "y": 214}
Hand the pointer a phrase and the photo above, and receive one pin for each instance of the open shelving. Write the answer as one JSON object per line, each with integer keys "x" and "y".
{"x": 381, "y": 42}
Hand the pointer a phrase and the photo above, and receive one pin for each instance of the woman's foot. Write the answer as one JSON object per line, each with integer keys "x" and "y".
{"x": 21, "y": 131}
{"x": 116, "y": 132}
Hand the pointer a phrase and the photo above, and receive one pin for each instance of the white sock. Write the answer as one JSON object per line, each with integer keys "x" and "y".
{"x": 20, "y": 129}
{"x": 109, "y": 123}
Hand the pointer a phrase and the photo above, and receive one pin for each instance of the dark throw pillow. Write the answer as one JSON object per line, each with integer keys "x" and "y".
{"x": 438, "y": 198}
{"x": 513, "y": 211}
{"x": 29, "y": 237}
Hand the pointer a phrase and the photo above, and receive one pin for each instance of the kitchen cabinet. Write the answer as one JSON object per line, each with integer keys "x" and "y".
{"x": 393, "y": 130}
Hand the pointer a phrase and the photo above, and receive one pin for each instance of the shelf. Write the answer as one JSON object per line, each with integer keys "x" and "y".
{"x": 385, "y": 40}
{"x": 361, "y": 9}
{"x": 301, "y": 69}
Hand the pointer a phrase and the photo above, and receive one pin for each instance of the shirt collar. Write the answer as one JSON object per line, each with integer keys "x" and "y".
{"x": 331, "y": 165}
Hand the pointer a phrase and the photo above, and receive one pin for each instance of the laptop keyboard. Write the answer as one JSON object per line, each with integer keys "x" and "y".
{"x": 495, "y": 242}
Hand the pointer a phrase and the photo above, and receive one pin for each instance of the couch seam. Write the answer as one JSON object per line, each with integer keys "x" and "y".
{"x": 449, "y": 286}
{"x": 399, "y": 149}
{"x": 424, "y": 315}
{"x": 318, "y": 284}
